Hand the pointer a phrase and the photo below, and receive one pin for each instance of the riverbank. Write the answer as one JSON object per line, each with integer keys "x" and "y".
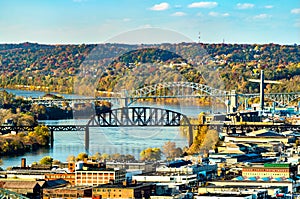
{"x": 22, "y": 142}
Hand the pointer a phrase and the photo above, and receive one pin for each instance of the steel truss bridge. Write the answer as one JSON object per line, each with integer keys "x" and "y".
{"x": 146, "y": 117}
{"x": 175, "y": 90}
{"x": 120, "y": 117}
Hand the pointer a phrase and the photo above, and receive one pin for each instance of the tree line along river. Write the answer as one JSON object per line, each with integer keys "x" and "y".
{"x": 127, "y": 140}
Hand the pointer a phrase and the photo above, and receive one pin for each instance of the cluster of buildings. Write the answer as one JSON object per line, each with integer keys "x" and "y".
{"x": 258, "y": 164}
{"x": 87, "y": 179}
{"x": 234, "y": 170}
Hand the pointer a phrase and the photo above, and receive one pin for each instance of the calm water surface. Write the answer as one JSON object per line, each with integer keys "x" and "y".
{"x": 129, "y": 140}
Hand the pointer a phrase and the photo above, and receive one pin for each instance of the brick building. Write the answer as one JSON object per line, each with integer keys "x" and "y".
{"x": 97, "y": 176}
{"x": 267, "y": 170}
{"x": 124, "y": 190}
{"x": 70, "y": 177}
{"x": 68, "y": 192}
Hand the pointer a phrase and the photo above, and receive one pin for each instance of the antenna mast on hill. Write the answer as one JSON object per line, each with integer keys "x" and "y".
{"x": 199, "y": 36}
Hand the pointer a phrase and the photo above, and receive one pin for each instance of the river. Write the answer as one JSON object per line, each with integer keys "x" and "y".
{"x": 129, "y": 140}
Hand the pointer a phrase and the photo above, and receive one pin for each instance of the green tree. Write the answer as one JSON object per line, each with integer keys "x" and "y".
{"x": 47, "y": 160}
{"x": 151, "y": 154}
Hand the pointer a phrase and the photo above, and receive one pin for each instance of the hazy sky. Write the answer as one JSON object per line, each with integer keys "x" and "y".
{"x": 97, "y": 21}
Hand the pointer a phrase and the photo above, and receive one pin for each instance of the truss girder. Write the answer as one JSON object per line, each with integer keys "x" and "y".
{"x": 179, "y": 85}
{"x": 178, "y": 89}
{"x": 140, "y": 116}
{"x": 280, "y": 98}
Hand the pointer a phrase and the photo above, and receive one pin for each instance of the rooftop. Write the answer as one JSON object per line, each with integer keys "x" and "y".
{"x": 120, "y": 186}
{"x": 224, "y": 195}
{"x": 20, "y": 184}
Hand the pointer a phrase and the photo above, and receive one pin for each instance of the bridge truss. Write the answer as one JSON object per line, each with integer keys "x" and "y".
{"x": 140, "y": 117}
{"x": 172, "y": 90}
{"x": 178, "y": 90}
{"x": 281, "y": 99}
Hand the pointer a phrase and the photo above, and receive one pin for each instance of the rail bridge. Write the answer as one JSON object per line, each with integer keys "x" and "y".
{"x": 179, "y": 90}
{"x": 149, "y": 116}
{"x": 120, "y": 117}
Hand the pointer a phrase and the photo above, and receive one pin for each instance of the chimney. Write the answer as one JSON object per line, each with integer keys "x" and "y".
{"x": 71, "y": 166}
{"x": 23, "y": 163}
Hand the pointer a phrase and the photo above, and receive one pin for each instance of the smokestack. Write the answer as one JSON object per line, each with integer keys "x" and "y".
{"x": 23, "y": 163}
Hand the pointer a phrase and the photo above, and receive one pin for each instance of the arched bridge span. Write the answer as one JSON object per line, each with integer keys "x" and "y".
{"x": 177, "y": 90}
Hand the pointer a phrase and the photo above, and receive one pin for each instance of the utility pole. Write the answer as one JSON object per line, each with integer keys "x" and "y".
{"x": 262, "y": 83}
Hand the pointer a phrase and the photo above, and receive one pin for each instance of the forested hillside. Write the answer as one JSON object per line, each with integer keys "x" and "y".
{"x": 60, "y": 68}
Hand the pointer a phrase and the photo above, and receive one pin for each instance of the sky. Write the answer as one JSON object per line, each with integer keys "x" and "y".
{"x": 100, "y": 21}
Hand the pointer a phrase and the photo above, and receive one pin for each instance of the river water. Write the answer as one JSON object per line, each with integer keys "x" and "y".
{"x": 129, "y": 140}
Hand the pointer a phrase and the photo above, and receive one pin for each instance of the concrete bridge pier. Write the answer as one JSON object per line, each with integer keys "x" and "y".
{"x": 124, "y": 98}
{"x": 191, "y": 135}
{"x": 87, "y": 139}
{"x": 51, "y": 138}
{"x": 232, "y": 102}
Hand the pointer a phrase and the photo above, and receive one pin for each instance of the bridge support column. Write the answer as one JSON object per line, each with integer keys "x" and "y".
{"x": 51, "y": 138}
{"x": 87, "y": 139}
{"x": 124, "y": 98}
{"x": 233, "y": 101}
{"x": 191, "y": 135}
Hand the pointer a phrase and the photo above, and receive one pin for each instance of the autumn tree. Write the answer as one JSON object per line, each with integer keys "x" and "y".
{"x": 105, "y": 156}
{"x": 56, "y": 162}
{"x": 151, "y": 154}
{"x": 96, "y": 156}
{"x": 41, "y": 135}
{"x": 171, "y": 151}
{"x": 205, "y": 139}
{"x": 81, "y": 156}
{"x": 71, "y": 158}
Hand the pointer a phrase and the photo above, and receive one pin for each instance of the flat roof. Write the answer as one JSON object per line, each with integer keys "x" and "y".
{"x": 77, "y": 188}
{"x": 224, "y": 195}
{"x": 121, "y": 186}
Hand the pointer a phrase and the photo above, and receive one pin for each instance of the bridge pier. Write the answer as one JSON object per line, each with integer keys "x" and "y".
{"x": 87, "y": 139}
{"x": 232, "y": 102}
{"x": 191, "y": 135}
{"x": 51, "y": 138}
{"x": 124, "y": 98}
